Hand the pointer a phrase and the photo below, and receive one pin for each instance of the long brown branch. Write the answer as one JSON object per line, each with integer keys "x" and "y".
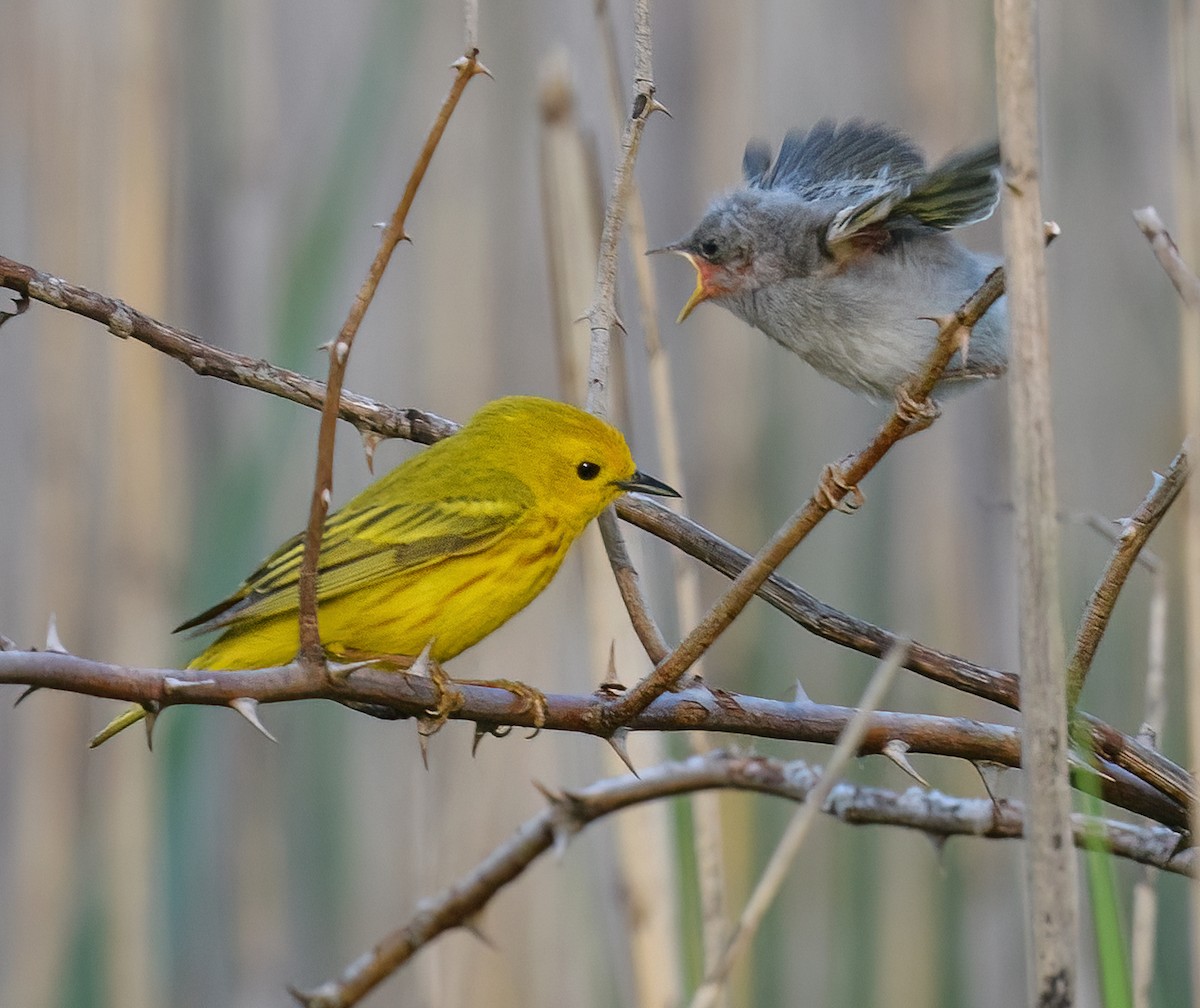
{"x": 687, "y": 710}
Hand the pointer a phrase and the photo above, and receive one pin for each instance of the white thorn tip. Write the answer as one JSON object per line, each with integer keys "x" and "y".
{"x": 423, "y": 665}
{"x": 248, "y": 708}
{"x": 149, "y": 720}
{"x": 174, "y": 684}
{"x": 53, "y": 642}
{"x": 619, "y": 742}
{"x": 897, "y": 751}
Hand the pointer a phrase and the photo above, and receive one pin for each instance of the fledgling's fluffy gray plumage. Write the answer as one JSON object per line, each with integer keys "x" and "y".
{"x": 839, "y": 251}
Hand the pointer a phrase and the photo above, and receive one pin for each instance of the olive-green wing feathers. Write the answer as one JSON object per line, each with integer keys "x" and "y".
{"x": 366, "y": 544}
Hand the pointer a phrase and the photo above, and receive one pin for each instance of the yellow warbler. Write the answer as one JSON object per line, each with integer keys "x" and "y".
{"x": 442, "y": 550}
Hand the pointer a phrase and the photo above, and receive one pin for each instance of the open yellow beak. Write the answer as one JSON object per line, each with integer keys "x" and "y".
{"x": 703, "y": 290}
{"x": 701, "y": 293}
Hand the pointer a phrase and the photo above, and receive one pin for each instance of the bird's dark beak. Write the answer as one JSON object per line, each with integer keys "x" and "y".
{"x": 701, "y": 293}
{"x": 639, "y": 482}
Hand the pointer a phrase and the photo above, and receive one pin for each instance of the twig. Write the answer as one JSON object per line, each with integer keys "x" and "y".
{"x": 1144, "y": 912}
{"x": 797, "y": 831}
{"x": 747, "y": 583}
{"x": 602, "y": 315}
{"x": 627, "y": 578}
{"x": 339, "y": 355}
{"x": 1135, "y": 531}
{"x": 126, "y": 322}
{"x": 1167, "y": 252}
{"x": 570, "y": 812}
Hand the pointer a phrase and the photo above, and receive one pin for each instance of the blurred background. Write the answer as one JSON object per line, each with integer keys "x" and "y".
{"x": 220, "y": 166}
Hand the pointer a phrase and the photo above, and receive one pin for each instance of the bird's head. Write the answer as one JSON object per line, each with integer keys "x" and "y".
{"x": 721, "y": 249}
{"x": 575, "y": 464}
{"x": 750, "y": 239}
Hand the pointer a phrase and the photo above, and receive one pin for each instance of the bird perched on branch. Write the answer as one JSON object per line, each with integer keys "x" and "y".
{"x": 438, "y": 553}
{"x": 839, "y": 250}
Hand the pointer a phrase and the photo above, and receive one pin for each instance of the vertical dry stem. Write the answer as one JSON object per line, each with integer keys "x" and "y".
{"x": 1049, "y": 861}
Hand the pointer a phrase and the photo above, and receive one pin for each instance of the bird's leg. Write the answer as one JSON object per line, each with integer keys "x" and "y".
{"x": 448, "y": 700}
{"x": 535, "y": 699}
{"x": 836, "y": 492}
{"x": 916, "y": 413}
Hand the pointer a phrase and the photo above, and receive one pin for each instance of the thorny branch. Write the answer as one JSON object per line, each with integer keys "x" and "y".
{"x": 696, "y": 709}
{"x": 940, "y": 816}
{"x": 602, "y": 315}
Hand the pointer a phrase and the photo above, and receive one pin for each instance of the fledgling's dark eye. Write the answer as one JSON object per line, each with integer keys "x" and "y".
{"x": 587, "y": 470}
{"x": 709, "y": 248}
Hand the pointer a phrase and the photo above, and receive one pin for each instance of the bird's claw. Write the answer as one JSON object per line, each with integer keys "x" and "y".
{"x": 534, "y": 699}
{"x": 916, "y": 413}
{"x": 448, "y": 700}
{"x": 837, "y": 493}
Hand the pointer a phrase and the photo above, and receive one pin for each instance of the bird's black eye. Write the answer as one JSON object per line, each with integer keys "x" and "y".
{"x": 709, "y": 248}
{"x": 587, "y": 470}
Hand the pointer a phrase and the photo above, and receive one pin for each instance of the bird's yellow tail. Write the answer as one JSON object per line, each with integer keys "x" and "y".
{"x": 122, "y": 721}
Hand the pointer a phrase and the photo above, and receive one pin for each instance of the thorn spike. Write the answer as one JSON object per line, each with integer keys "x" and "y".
{"x": 370, "y": 441}
{"x": 150, "y": 719}
{"x": 897, "y": 751}
{"x": 472, "y": 926}
{"x": 423, "y": 666}
{"x": 619, "y": 742}
{"x": 989, "y": 774}
{"x": 53, "y": 643}
{"x": 423, "y": 741}
{"x": 248, "y": 708}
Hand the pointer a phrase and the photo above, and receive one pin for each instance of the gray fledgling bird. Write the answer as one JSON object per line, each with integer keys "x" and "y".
{"x": 840, "y": 251}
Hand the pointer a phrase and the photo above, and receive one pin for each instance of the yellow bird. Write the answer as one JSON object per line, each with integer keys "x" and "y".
{"x": 441, "y": 551}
